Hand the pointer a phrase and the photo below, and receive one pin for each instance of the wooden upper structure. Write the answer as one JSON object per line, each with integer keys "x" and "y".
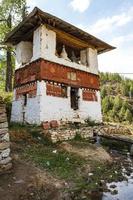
{"x": 64, "y": 30}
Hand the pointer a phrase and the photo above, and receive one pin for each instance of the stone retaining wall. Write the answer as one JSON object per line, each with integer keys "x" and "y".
{"x": 85, "y": 132}
{"x": 68, "y": 134}
{"x": 5, "y": 159}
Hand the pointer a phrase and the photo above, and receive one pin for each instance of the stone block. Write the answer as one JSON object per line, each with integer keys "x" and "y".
{"x": 2, "y": 109}
{"x": 3, "y": 131}
{"x": 3, "y": 125}
{"x": 5, "y": 161}
{"x": 54, "y": 124}
{"x": 5, "y": 137}
{"x": 46, "y": 125}
{"x": 5, "y": 153}
{"x": 4, "y": 145}
{"x": 3, "y": 118}
{"x": 4, "y": 168}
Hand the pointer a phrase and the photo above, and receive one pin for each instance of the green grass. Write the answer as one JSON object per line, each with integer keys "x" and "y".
{"x": 62, "y": 164}
{"x": 65, "y": 165}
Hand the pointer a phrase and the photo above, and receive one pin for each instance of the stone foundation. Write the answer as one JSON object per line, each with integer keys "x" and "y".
{"x": 68, "y": 134}
{"x": 5, "y": 159}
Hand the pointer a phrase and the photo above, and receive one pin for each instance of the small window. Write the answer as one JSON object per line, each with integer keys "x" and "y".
{"x": 64, "y": 91}
{"x": 25, "y": 99}
{"x": 74, "y": 98}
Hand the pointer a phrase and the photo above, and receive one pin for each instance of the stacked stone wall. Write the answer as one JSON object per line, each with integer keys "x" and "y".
{"x": 85, "y": 132}
{"x": 68, "y": 134}
{"x": 5, "y": 159}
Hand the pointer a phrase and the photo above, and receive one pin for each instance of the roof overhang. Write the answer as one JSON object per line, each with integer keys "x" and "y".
{"x": 24, "y": 31}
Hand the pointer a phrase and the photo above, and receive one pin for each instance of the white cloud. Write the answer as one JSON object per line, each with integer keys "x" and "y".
{"x": 109, "y": 23}
{"x": 80, "y": 5}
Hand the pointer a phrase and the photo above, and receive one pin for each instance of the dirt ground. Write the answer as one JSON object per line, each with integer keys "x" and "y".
{"x": 26, "y": 181}
{"x": 90, "y": 152}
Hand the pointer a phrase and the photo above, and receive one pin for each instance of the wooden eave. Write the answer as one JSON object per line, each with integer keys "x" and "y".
{"x": 64, "y": 30}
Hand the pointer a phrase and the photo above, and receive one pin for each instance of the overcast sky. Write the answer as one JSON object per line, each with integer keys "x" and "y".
{"x": 109, "y": 20}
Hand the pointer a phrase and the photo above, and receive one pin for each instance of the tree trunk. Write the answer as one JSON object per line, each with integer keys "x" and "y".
{"x": 9, "y": 71}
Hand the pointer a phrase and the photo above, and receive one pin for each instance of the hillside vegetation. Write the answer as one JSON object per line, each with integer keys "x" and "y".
{"x": 117, "y": 98}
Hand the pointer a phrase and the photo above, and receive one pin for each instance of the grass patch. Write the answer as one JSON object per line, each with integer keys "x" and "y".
{"x": 28, "y": 134}
{"x": 61, "y": 163}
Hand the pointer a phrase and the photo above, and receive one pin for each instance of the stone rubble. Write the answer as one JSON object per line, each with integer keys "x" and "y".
{"x": 5, "y": 159}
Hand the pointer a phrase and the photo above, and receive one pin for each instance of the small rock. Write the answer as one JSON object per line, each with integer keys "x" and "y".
{"x": 90, "y": 174}
{"x": 19, "y": 181}
{"x": 5, "y": 153}
{"x": 4, "y": 145}
{"x": 5, "y": 137}
{"x": 114, "y": 192}
{"x": 5, "y": 161}
{"x": 55, "y": 151}
{"x": 113, "y": 186}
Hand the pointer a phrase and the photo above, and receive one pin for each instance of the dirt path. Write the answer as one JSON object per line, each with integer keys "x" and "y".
{"x": 14, "y": 184}
{"x": 26, "y": 182}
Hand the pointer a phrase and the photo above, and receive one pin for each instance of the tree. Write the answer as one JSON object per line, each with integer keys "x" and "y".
{"x": 117, "y": 104}
{"x": 128, "y": 116}
{"x": 11, "y": 13}
{"x": 106, "y": 104}
{"x": 131, "y": 90}
{"x": 103, "y": 92}
{"x": 122, "y": 113}
{"x": 125, "y": 89}
{"x": 2, "y": 72}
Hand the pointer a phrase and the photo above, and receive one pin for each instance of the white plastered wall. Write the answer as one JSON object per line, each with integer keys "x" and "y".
{"x": 32, "y": 109}
{"x": 46, "y": 108}
{"x": 55, "y": 108}
{"x": 91, "y": 109}
{"x": 60, "y": 108}
{"x": 44, "y": 46}
{"x": 92, "y": 60}
{"x": 24, "y": 53}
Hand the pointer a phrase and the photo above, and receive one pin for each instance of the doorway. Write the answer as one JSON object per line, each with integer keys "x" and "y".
{"x": 74, "y": 98}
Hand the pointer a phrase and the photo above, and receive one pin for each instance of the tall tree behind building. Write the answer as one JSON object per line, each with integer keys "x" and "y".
{"x": 11, "y": 13}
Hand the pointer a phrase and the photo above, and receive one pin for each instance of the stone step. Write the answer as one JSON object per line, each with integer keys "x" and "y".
{"x": 3, "y": 125}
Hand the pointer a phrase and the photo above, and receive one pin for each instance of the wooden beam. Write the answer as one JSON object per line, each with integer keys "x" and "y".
{"x": 76, "y": 42}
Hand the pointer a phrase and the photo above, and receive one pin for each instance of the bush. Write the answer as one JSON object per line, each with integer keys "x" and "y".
{"x": 7, "y": 98}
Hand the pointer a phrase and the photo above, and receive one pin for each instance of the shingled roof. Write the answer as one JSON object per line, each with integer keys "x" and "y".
{"x": 24, "y": 31}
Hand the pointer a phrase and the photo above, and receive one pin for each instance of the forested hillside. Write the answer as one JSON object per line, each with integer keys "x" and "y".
{"x": 117, "y": 98}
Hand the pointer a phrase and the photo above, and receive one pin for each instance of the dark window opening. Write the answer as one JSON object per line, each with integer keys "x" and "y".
{"x": 25, "y": 99}
{"x": 74, "y": 98}
{"x": 72, "y": 53}
{"x": 64, "y": 91}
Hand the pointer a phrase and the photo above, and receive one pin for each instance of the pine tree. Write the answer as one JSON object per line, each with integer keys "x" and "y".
{"x": 117, "y": 104}
{"x": 106, "y": 104}
{"x": 128, "y": 116}
{"x": 103, "y": 92}
{"x": 131, "y": 90}
{"x": 122, "y": 113}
